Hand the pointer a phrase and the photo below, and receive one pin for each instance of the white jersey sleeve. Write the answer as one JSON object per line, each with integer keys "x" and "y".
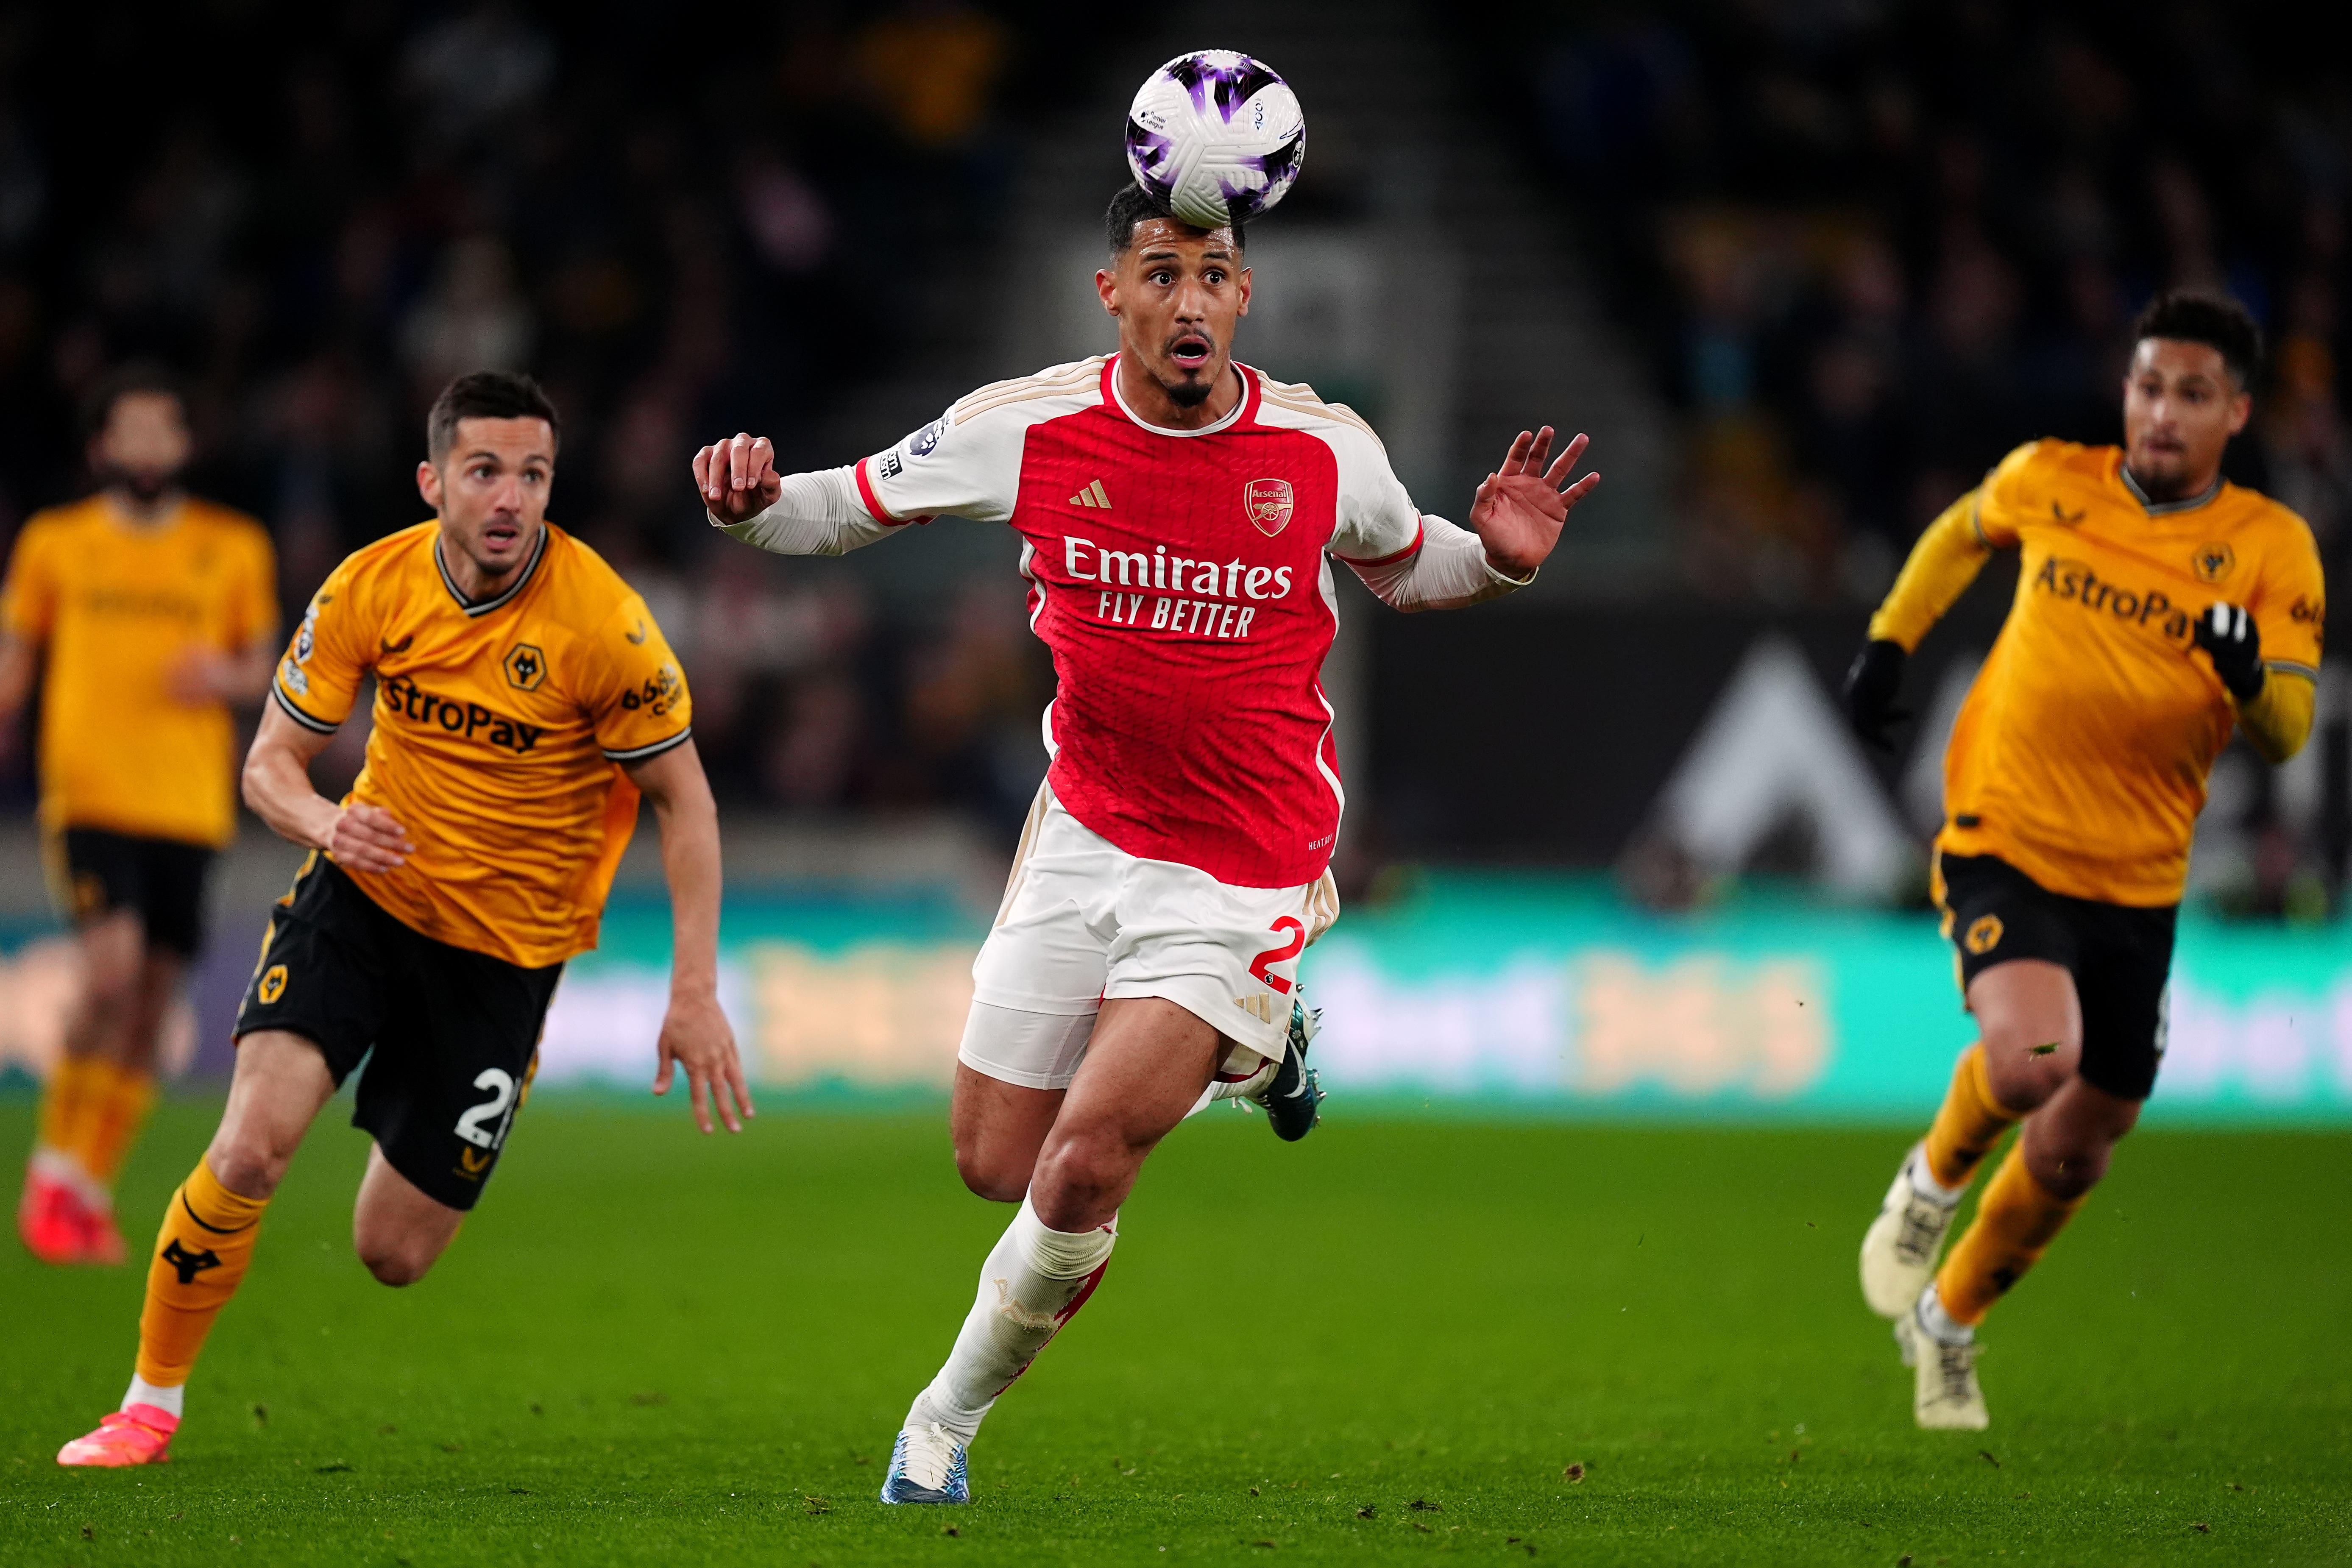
{"x": 814, "y": 514}
{"x": 967, "y": 462}
{"x": 1448, "y": 571}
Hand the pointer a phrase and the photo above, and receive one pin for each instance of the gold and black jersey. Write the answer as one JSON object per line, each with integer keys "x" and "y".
{"x": 116, "y": 605}
{"x": 2081, "y": 755}
{"x": 501, "y": 729}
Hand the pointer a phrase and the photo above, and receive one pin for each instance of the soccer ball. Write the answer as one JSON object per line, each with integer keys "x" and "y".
{"x": 1215, "y": 137}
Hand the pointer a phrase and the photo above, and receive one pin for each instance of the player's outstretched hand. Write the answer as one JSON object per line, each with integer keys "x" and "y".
{"x": 737, "y": 477}
{"x": 368, "y": 838}
{"x": 695, "y": 1035}
{"x": 2228, "y": 634}
{"x": 1521, "y": 507}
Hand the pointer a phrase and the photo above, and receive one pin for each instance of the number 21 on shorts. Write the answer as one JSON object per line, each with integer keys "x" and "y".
{"x": 485, "y": 1126}
{"x": 1259, "y": 970}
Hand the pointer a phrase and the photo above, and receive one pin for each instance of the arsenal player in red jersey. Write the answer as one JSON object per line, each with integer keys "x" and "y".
{"x": 1178, "y": 512}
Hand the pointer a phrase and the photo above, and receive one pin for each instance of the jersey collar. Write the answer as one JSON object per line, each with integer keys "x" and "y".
{"x": 1245, "y": 407}
{"x": 484, "y": 607}
{"x": 2165, "y": 508}
{"x": 150, "y": 528}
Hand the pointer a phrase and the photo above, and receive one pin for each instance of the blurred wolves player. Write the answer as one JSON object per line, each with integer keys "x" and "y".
{"x": 1175, "y": 509}
{"x": 524, "y": 700}
{"x": 2156, "y": 605}
{"x": 156, "y": 612}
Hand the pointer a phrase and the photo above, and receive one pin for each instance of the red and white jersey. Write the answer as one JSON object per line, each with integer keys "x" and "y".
{"x": 1180, "y": 578}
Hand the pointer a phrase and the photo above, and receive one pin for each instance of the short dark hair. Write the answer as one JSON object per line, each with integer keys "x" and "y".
{"x": 1129, "y": 206}
{"x": 2193, "y": 316}
{"x": 486, "y": 394}
{"x": 136, "y": 378}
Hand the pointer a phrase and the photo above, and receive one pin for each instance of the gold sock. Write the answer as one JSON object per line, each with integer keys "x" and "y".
{"x": 113, "y": 1109}
{"x": 62, "y": 1099}
{"x": 200, "y": 1255}
{"x": 2016, "y": 1221}
{"x": 1969, "y": 1123}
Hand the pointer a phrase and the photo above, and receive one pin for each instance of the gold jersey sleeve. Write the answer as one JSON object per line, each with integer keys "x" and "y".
{"x": 1946, "y": 560}
{"x": 501, "y": 730}
{"x": 116, "y": 606}
{"x": 2081, "y": 753}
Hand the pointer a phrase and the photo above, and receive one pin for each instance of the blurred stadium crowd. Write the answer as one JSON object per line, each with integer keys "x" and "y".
{"x": 318, "y": 215}
{"x": 1873, "y": 247}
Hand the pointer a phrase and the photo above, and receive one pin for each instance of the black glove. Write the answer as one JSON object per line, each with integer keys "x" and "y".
{"x": 2235, "y": 643}
{"x": 1871, "y": 687}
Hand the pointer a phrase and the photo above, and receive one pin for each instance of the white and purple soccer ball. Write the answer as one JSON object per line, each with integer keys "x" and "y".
{"x": 1215, "y": 137}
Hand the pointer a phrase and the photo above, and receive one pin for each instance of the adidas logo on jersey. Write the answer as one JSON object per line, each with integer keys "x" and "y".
{"x": 1094, "y": 496}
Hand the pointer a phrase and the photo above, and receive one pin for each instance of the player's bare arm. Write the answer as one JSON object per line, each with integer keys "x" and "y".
{"x": 18, "y": 661}
{"x": 694, "y": 1033}
{"x": 205, "y": 675}
{"x": 277, "y": 787}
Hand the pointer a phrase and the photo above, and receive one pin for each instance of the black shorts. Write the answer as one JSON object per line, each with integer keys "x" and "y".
{"x": 94, "y": 873}
{"x": 455, "y": 1033}
{"x": 2120, "y": 957}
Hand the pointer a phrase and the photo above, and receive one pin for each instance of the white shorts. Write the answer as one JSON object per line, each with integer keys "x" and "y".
{"x": 1083, "y": 922}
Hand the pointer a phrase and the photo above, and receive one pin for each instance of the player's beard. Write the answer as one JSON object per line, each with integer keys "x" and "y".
{"x": 146, "y": 486}
{"x": 2169, "y": 483}
{"x": 1187, "y": 392}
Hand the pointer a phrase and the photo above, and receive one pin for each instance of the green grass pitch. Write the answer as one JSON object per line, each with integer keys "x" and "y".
{"x": 1387, "y": 1345}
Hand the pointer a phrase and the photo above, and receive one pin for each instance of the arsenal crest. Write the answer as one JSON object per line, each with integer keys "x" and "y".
{"x": 1268, "y": 502}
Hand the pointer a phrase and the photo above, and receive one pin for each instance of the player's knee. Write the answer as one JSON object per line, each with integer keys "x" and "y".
{"x": 1082, "y": 1165}
{"x": 111, "y": 980}
{"x": 2024, "y": 1072}
{"x": 991, "y": 1175}
{"x": 2070, "y": 1167}
{"x": 394, "y": 1260}
{"x": 395, "y": 1268}
{"x": 247, "y": 1164}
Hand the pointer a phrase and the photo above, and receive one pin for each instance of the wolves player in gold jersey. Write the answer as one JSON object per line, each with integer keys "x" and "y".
{"x": 2157, "y": 606}
{"x": 153, "y": 612}
{"x": 524, "y": 700}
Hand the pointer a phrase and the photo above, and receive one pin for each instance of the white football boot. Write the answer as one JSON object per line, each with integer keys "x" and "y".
{"x": 1898, "y": 1251}
{"x": 1945, "y": 1393}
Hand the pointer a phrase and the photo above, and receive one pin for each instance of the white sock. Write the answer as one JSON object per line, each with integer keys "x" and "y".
{"x": 1923, "y": 1182}
{"x": 1033, "y": 1280}
{"x": 145, "y": 1393}
{"x": 1938, "y": 1324}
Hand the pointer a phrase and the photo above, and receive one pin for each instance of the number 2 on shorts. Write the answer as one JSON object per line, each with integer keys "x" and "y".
{"x": 1291, "y": 948}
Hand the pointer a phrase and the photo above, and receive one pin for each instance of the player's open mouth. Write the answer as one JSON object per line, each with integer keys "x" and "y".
{"x": 499, "y": 536}
{"x": 1191, "y": 352}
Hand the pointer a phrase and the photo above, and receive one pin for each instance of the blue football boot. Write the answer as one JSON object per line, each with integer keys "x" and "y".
{"x": 926, "y": 1467}
{"x": 1294, "y": 1100}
